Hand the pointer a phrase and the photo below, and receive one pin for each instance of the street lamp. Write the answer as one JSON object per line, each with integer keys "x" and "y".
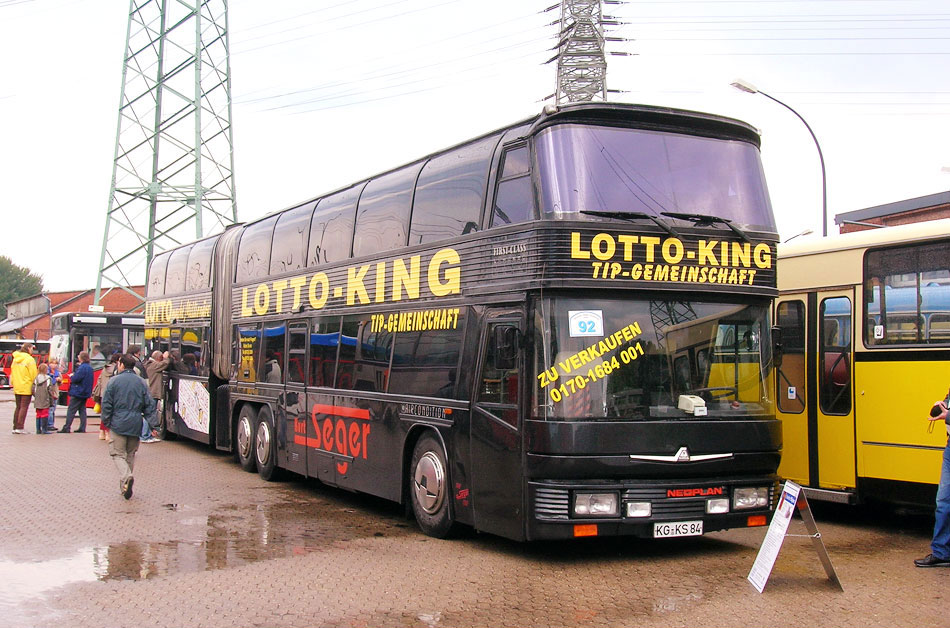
{"x": 798, "y": 235}
{"x": 749, "y": 88}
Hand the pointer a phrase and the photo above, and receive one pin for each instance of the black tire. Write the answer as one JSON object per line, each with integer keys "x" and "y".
{"x": 244, "y": 431}
{"x": 430, "y": 488}
{"x": 265, "y": 446}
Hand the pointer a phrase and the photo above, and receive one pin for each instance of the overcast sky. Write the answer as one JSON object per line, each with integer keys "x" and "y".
{"x": 330, "y": 91}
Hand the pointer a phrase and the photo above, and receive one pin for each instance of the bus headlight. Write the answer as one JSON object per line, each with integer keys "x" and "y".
{"x": 639, "y": 509}
{"x": 717, "y": 506}
{"x": 750, "y": 497}
{"x": 595, "y": 504}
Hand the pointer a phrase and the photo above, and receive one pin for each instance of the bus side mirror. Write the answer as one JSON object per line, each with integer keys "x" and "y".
{"x": 505, "y": 345}
{"x": 778, "y": 346}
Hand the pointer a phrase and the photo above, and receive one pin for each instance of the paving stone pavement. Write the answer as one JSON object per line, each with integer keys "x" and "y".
{"x": 202, "y": 543}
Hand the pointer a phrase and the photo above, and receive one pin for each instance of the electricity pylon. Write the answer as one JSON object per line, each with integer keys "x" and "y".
{"x": 172, "y": 180}
{"x": 581, "y": 50}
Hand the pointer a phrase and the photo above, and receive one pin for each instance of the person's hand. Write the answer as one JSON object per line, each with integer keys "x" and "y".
{"x": 154, "y": 433}
{"x": 943, "y": 414}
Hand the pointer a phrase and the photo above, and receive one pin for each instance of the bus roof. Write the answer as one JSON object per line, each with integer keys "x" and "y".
{"x": 915, "y": 232}
{"x": 650, "y": 116}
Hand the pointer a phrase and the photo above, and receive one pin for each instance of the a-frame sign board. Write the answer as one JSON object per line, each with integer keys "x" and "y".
{"x": 792, "y": 499}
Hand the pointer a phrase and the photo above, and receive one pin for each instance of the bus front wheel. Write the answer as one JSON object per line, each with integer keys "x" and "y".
{"x": 429, "y": 488}
{"x": 244, "y": 437}
{"x": 265, "y": 446}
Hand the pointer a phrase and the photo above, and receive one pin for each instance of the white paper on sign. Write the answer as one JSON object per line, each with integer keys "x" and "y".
{"x": 586, "y": 323}
{"x": 765, "y": 560}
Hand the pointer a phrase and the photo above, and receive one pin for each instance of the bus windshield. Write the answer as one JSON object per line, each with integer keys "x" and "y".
{"x": 642, "y": 359}
{"x": 624, "y": 170}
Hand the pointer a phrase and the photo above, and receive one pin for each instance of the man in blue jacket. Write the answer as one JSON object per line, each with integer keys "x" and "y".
{"x": 125, "y": 404}
{"x": 80, "y": 389}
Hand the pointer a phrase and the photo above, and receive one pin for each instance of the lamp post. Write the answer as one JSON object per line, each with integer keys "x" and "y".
{"x": 798, "y": 235}
{"x": 749, "y": 88}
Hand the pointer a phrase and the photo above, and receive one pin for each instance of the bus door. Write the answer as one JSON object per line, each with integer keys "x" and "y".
{"x": 325, "y": 352}
{"x": 497, "y": 468}
{"x": 815, "y": 389}
{"x": 790, "y": 390}
{"x": 836, "y": 444}
{"x": 292, "y": 416}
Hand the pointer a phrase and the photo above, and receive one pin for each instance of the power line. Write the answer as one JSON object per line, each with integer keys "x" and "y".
{"x": 355, "y": 25}
{"x": 796, "y": 39}
{"x": 789, "y": 19}
{"x": 402, "y": 69}
{"x": 801, "y": 54}
{"x": 364, "y": 80}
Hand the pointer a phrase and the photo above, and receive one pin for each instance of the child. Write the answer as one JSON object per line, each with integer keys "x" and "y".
{"x": 57, "y": 379}
{"x": 42, "y": 398}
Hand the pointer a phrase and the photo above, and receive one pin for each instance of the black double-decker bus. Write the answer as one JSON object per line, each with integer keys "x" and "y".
{"x": 554, "y": 330}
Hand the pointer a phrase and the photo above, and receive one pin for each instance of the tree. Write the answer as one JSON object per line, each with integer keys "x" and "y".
{"x": 16, "y": 282}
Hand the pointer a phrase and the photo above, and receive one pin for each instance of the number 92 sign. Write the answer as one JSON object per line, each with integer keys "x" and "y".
{"x": 586, "y": 323}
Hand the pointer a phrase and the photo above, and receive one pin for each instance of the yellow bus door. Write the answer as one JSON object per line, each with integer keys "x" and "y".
{"x": 834, "y": 366}
{"x": 790, "y": 390}
{"x": 814, "y": 388}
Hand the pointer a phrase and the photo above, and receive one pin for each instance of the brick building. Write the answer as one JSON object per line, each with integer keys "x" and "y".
{"x": 29, "y": 318}
{"x": 921, "y": 209}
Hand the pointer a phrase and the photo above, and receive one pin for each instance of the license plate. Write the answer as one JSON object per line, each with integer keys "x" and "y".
{"x": 677, "y": 528}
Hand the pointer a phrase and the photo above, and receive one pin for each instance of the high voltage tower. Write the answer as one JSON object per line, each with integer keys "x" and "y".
{"x": 172, "y": 180}
{"x": 581, "y": 50}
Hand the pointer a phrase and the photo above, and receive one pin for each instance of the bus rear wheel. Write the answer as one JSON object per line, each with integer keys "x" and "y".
{"x": 244, "y": 437}
{"x": 265, "y": 446}
{"x": 429, "y": 488}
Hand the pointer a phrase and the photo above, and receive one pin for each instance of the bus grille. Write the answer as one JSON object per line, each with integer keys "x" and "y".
{"x": 664, "y": 508}
{"x": 552, "y": 504}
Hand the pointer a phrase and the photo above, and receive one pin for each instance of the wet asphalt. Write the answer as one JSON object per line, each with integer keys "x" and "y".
{"x": 203, "y": 543}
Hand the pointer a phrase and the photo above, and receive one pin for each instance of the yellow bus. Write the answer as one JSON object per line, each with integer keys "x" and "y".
{"x": 865, "y": 320}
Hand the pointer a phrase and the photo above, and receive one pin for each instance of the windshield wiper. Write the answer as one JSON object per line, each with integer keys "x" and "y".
{"x": 631, "y": 216}
{"x": 705, "y": 220}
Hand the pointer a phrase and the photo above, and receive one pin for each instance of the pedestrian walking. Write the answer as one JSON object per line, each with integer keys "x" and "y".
{"x": 939, "y": 555}
{"x": 22, "y": 374}
{"x": 43, "y": 394}
{"x": 126, "y": 405}
{"x": 80, "y": 389}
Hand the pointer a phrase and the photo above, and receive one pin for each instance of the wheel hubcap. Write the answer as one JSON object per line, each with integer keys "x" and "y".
{"x": 263, "y": 442}
{"x": 429, "y": 482}
{"x": 244, "y": 437}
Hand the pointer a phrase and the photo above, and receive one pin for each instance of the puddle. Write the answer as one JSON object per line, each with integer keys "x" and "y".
{"x": 23, "y": 582}
{"x": 201, "y": 536}
{"x": 230, "y": 536}
{"x": 27, "y": 580}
